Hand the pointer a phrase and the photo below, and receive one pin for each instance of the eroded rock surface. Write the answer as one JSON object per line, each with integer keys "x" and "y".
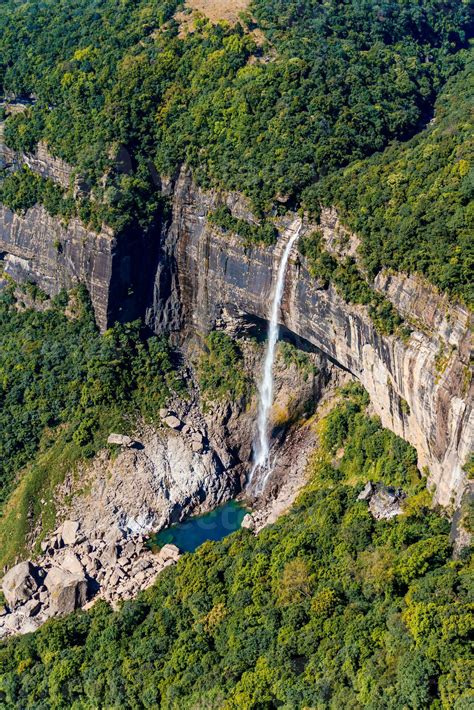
{"x": 420, "y": 387}
{"x": 194, "y": 274}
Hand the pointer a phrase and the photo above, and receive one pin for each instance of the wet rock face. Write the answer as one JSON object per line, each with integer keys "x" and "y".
{"x": 420, "y": 388}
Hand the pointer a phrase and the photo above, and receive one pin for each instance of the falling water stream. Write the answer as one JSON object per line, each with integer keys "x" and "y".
{"x": 261, "y": 454}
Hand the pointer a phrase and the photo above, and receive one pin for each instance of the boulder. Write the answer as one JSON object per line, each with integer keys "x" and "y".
{"x": 12, "y": 622}
{"x": 386, "y": 502}
{"x": 72, "y": 564}
{"x": 109, "y": 556}
{"x": 120, "y": 440}
{"x": 172, "y": 421}
{"x": 368, "y": 491}
{"x": 67, "y": 591}
{"x": 20, "y": 583}
{"x": 28, "y": 626}
{"x": 140, "y": 566}
{"x": 248, "y": 522}
{"x": 140, "y": 577}
{"x": 168, "y": 552}
{"x": 31, "y": 608}
{"x": 129, "y": 549}
{"x": 68, "y": 531}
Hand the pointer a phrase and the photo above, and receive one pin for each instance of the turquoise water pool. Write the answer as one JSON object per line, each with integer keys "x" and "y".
{"x": 188, "y": 536}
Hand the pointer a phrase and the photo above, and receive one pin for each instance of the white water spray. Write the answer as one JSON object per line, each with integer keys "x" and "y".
{"x": 261, "y": 460}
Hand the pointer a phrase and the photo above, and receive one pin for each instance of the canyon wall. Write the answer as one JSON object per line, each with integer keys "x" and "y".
{"x": 419, "y": 386}
{"x": 185, "y": 276}
{"x": 39, "y": 248}
{"x": 53, "y": 254}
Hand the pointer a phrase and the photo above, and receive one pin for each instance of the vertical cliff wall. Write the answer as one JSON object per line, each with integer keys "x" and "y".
{"x": 37, "y": 247}
{"x": 184, "y": 275}
{"x": 118, "y": 269}
{"x": 420, "y": 387}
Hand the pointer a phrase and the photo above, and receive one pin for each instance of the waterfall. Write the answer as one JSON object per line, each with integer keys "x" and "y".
{"x": 261, "y": 458}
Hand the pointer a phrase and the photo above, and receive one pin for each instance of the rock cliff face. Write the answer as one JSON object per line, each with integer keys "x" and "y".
{"x": 420, "y": 387}
{"x": 44, "y": 250}
{"x": 40, "y": 162}
{"x": 186, "y": 276}
{"x": 37, "y": 247}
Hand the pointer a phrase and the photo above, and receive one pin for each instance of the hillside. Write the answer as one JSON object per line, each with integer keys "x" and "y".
{"x": 327, "y": 608}
{"x": 228, "y": 228}
{"x": 327, "y": 86}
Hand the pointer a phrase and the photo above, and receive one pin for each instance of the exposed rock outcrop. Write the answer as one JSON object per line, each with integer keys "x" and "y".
{"x": 421, "y": 387}
{"x": 194, "y": 275}
{"x": 384, "y": 502}
{"x": 36, "y": 247}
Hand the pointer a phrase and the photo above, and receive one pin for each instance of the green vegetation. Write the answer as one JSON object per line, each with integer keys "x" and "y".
{"x": 293, "y": 356}
{"x": 23, "y": 188}
{"x": 326, "y": 85}
{"x": 327, "y": 608}
{"x": 265, "y": 233}
{"x": 350, "y": 284}
{"x": 412, "y": 205}
{"x": 221, "y": 374}
{"x": 63, "y": 388}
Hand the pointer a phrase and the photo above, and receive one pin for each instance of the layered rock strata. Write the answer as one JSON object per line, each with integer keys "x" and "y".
{"x": 187, "y": 274}
{"x": 420, "y": 387}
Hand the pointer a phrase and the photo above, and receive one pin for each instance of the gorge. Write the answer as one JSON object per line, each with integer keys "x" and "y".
{"x": 236, "y": 399}
{"x": 198, "y": 275}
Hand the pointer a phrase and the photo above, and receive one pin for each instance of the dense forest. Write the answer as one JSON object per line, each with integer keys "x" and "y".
{"x": 271, "y": 112}
{"x": 412, "y": 205}
{"x": 63, "y": 388}
{"x": 327, "y": 608}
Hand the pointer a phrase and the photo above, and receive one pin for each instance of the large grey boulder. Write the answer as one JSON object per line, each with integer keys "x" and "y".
{"x": 169, "y": 552}
{"x": 20, "y": 583}
{"x": 172, "y": 421}
{"x": 368, "y": 491}
{"x": 67, "y": 591}
{"x": 386, "y": 502}
{"x": 68, "y": 531}
{"x": 120, "y": 440}
{"x": 72, "y": 564}
{"x": 31, "y": 608}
